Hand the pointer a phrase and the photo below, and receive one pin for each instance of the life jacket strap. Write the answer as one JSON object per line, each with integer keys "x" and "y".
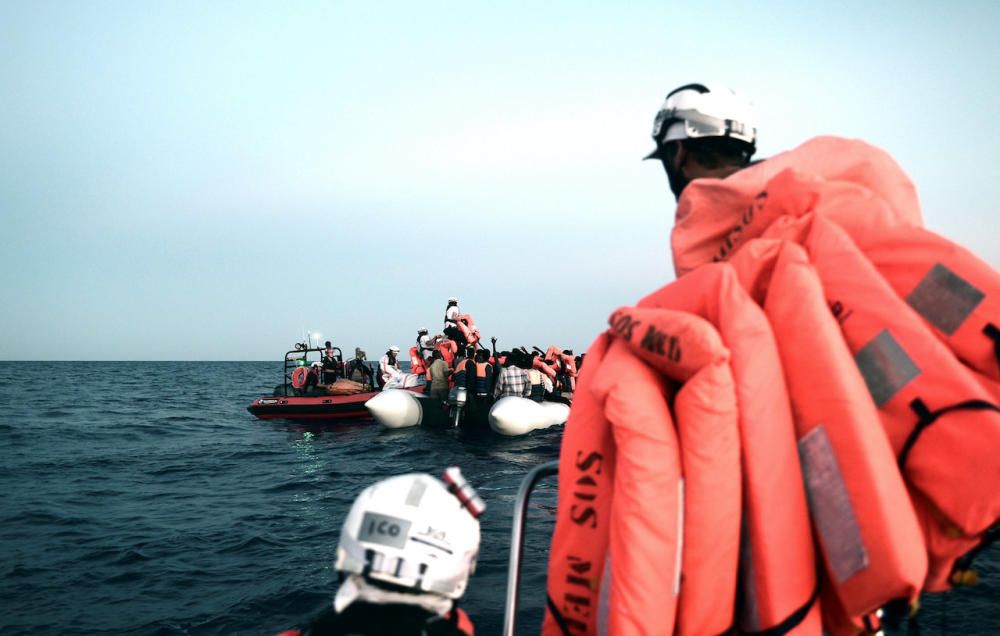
{"x": 926, "y": 417}
{"x": 560, "y": 621}
{"x": 964, "y": 563}
{"x": 993, "y": 332}
{"x": 792, "y": 621}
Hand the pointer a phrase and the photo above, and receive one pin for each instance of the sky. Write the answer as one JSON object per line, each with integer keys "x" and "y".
{"x": 211, "y": 180}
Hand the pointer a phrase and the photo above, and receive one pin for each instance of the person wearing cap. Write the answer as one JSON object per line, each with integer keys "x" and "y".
{"x": 703, "y": 131}
{"x": 406, "y": 551}
{"x": 357, "y": 370}
{"x": 388, "y": 366}
{"x": 451, "y": 316}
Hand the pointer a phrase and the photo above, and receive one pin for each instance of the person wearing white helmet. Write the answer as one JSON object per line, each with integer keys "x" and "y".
{"x": 703, "y": 131}
{"x": 451, "y": 316}
{"x": 388, "y": 365}
{"x": 406, "y": 551}
{"x": 424, "y": 347}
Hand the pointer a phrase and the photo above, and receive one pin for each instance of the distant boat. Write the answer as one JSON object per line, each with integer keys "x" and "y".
{"x": 290, "y": 401}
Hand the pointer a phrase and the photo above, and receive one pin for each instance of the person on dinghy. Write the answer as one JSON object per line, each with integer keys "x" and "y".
{"x": 357, "y": 370}
{"x": 406, "y": 551}
{"x": 388, "y": 366}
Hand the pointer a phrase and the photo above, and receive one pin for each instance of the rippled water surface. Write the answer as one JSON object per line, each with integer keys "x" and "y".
{"x": 143, "y": 498}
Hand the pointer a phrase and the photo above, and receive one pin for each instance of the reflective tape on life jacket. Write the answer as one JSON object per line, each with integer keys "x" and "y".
{"x": 955, "y": 292}
{"x": 872, "y": 546}
{"x": 777, "y": 560}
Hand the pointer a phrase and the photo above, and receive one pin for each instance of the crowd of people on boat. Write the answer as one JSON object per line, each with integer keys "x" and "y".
{"x": 456, "y": 357}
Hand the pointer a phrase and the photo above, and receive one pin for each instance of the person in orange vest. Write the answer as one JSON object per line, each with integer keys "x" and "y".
{"x": 406, "y": 550}
{"x": 703, "y": 131}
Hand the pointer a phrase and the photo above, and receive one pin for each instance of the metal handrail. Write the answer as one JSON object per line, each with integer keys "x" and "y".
{"x": 517, "y": 541}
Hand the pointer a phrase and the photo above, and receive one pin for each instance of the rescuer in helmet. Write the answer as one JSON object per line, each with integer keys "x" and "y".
{"x": 406, "y": 551}
{"x": 703, "y": 131}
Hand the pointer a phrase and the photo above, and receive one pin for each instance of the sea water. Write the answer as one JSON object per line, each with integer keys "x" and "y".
{"x": 142, "y": 498}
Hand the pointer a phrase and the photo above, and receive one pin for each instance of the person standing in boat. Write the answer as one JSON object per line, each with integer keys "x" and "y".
{"x": 406, "y": 551}
{"x": 332, "y": 366}
{"x": 451, "y": 315}
{"x": 424, "y": 347}
{"x": 388, "y": 366}
{"x": 439, "y": 373}
{"x": 357, "y": 370}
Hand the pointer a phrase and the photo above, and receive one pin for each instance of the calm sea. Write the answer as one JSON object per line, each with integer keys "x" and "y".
{"x": 142, "y": 498}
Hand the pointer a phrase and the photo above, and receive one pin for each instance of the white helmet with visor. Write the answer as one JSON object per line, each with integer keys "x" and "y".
{"x": 694, "y": 111}
{"x": 414, "y": 532}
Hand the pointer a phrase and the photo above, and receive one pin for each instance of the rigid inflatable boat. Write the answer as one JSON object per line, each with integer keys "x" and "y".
{"x": 294, "y": 399}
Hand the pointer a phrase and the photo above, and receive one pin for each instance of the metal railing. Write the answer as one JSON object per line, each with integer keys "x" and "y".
{"x": 517, "y": 541}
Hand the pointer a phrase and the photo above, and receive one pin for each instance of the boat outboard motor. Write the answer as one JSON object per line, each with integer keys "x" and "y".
{"x": 457, "y": 398}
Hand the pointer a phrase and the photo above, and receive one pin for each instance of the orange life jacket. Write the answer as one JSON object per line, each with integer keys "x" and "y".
{"x": 872, "y": 547}
{"x": 416, "y": 362}
{"x": 467, "y": 326}
{"x": 917, "y": 287}
{"x": 626, "y": 471}
{"x": 448, "y": 349}
{"x": 779, "y": 584}
{"x": 541, "y": 365}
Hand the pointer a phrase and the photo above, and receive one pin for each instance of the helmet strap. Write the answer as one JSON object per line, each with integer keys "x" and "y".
{"x": 674, "y": 168}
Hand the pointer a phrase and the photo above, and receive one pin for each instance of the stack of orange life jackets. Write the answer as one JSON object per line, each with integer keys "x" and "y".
{"x": 799, "y": 430}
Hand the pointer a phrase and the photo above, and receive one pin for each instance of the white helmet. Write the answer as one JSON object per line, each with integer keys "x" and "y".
{"x": 704, "y": 110}
{"x": 422, "y": 330}
{"x": 453, "y": 300}
{"x": 394, "y": 349}
{"x": 414, "y": 532}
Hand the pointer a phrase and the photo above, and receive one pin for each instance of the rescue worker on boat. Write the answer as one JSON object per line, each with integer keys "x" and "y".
{"x": 407, "y": 548}
{"x": 357, "y": 370}
{"x": 424, "y": 346}
{"x": 388, "y": 366}
{"x": 451, "y": 315}
{"x": 703, "y": 131}
{"x": 332, "y": 365}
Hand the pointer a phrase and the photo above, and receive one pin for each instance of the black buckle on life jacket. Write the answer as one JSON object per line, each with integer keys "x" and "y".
{"x": 926, "y": 417}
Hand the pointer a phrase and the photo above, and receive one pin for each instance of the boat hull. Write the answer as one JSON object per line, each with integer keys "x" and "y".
{"x": 321, "y": 408}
